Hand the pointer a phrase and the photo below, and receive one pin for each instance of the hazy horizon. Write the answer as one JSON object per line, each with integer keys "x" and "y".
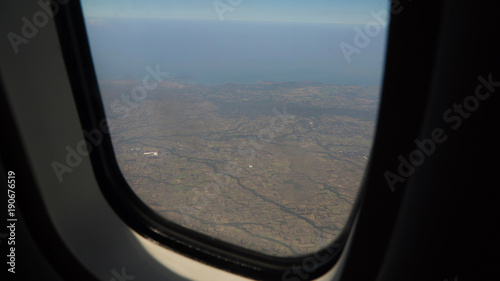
{"x": 217, "y": 52}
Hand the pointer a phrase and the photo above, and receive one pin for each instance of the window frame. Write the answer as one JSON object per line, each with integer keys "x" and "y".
{"x": 136, "y": 214}
{"x": 387, "y": 242}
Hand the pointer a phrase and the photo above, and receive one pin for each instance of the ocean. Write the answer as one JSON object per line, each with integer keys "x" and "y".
{"x": 218, "y": 52}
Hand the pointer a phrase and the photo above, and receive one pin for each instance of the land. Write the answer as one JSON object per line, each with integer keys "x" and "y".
{"x": 273, "y": 167}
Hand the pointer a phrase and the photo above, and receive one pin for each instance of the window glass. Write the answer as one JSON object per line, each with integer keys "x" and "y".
{"x": 249, "y": 121}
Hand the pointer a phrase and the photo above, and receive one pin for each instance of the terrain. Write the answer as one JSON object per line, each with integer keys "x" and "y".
{"x": 270, "y": 166}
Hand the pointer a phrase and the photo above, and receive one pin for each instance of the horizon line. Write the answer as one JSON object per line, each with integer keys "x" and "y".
{"x": 222, "y": 21}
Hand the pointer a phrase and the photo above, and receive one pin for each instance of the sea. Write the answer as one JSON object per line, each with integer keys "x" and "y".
{"x": 215, "y": 52}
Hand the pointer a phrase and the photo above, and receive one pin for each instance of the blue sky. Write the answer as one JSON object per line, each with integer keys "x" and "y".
{"x": 252, "y": 43}
{"x": 324, "y": 11}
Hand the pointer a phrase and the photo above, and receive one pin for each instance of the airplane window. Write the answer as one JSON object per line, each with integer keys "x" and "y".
{"x": 248, "y": 121}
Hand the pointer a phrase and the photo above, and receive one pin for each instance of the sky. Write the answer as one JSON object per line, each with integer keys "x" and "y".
{"x": 314, "y": 11}
{"x": 245, "y": 41}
